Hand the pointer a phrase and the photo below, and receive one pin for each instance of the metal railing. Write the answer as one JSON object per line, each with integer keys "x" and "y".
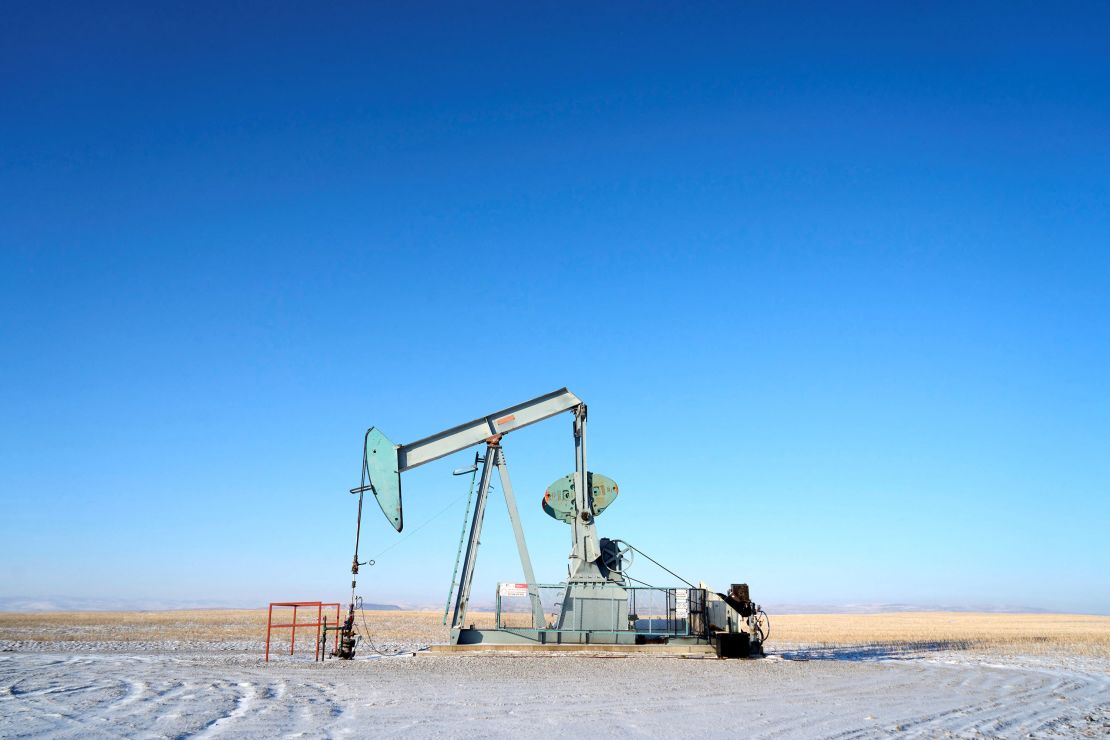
{"x": 660, "y": 612}
{"x": 320, "y": 623}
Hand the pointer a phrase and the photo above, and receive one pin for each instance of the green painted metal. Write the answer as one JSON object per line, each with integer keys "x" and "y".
{"x": 558, "y": 499}
{"x": 462, "y": 538}
{"x": 380, "y": 461}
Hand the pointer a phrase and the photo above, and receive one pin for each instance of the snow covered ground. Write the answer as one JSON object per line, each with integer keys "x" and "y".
{"x": 177, "y": 690}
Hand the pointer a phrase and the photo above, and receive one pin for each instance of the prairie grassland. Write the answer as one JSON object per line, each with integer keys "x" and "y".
{"x": 130, "y": 626}
{"x": 1075, "y": 634}
{"x": 204, "y": 625}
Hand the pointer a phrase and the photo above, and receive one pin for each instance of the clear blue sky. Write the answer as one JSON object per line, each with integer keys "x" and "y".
{"x": 835, "y": 283}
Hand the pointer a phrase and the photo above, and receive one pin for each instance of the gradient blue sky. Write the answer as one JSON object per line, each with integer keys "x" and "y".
{"x": 834, "y": 281}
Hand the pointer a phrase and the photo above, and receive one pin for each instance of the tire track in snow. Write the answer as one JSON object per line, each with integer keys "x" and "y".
{"x": 237, "y": 695}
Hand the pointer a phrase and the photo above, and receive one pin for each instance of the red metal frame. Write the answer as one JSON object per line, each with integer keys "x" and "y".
{"x": 320, "y": 606}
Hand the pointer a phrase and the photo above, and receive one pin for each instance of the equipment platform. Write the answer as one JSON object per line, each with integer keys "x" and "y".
{"x": 680, "y": 651}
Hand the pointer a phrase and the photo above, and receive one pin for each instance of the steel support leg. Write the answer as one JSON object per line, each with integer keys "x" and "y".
{"x": 538, "y": 620}
{"x": 463, "y": 597}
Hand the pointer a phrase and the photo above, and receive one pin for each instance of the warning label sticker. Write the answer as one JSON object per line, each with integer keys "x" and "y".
{"x": 512, "y": 589}
{"x": 681, "y": 603}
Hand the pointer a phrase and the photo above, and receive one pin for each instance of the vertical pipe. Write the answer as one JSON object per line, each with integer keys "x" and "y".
{"x": 319, "y": 615}
{"x": 293, "y": 637}
{"x": 269, "y": 621}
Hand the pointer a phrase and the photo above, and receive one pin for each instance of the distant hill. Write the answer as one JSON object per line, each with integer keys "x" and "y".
{"x": 72, "y": 604}
{"x": 881, "y": 608}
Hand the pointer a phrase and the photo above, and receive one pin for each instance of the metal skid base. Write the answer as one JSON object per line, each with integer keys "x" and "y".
{"x": 566, "y": 637}
{"x": 491, "y": 649}
{"x": 543, "y": 637}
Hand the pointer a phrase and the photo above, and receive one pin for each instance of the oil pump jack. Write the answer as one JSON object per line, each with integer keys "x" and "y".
{"x": 595, "y": 600}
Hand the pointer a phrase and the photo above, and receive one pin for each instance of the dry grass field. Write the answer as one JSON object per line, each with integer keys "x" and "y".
{"x": 1027, "y": 633}
{"x": 1076, "y": 634}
